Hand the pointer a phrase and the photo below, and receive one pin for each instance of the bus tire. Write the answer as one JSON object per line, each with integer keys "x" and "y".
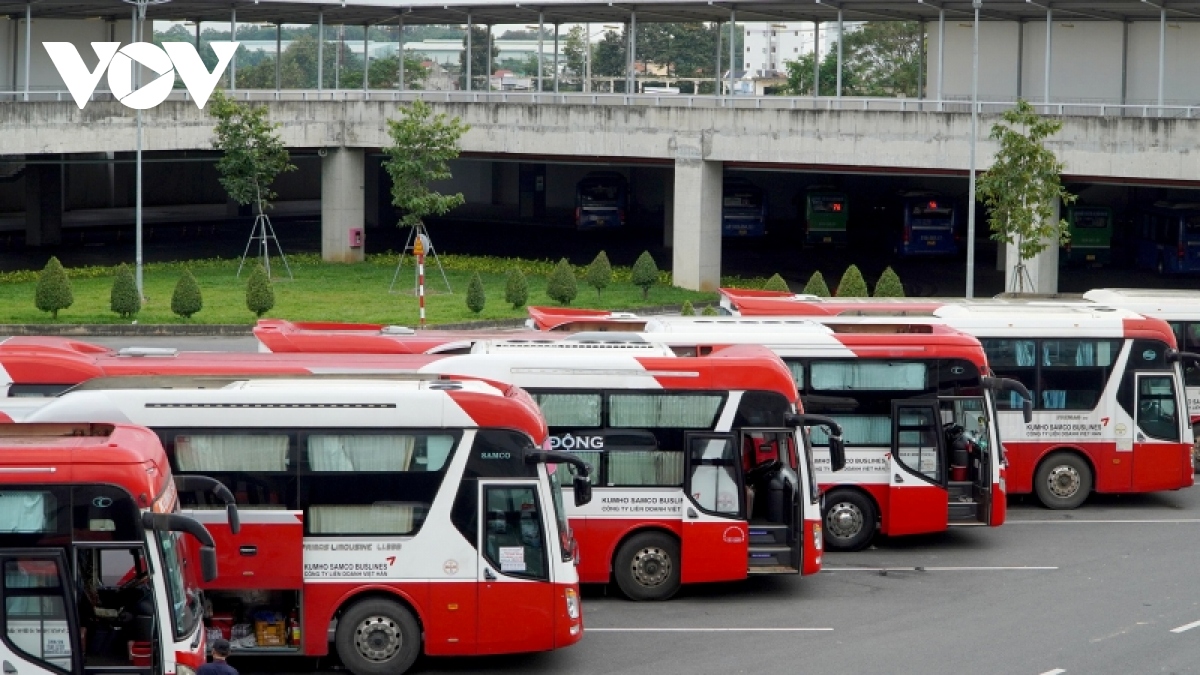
{"x": 849, "y": 520}
{"x": 1063, "y": 481}
{"x": 377, "y": 636}
{"x": 647, "y": 566}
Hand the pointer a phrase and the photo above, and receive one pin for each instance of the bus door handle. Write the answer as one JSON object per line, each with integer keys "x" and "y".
{"x": 691, "y": 513}
{"x": 9, "y": 668}
{"x": 248, "y": 550}
{"x": 488, "y": 574}
{"x": 899, "y": 478}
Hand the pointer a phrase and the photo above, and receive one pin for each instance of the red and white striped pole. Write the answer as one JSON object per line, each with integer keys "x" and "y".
{"x": 419, "y": 251}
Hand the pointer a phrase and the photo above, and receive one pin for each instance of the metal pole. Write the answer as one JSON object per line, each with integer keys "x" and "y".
{"x": 717, "y": 72}
{"x": 337, "y": 57}
{"x": 470, "y": 54}
{"x": 587, "y": 59}
{"x": 366, "y": 56}
{"x": 401, "y": 52}
{"x": 28, "y": 41}
{"x": 974, "y": 134}
{"x": 1049, "y": 37}
{"x": 1124, "y": 61}
{"x": 1162, "y": 55}
{"x": 632, "y": 52}
{"x": 278, "y": 56}
{"x": 320, "y": 49}
{"x": 816, "y": 58}
{"x": 490, "y": 68}
{"x": 541, "y": 34}
{"x": 941, "y": 55}
{"x": 920, "y": 59}
{"x": 841, "y": 39}
{"x": 139, "y": 16}
{"x": 233, "y": 61}
{"x": 198, "y": 22}
{"x": 732, "y": 27}
{"x": 556, "y": 57}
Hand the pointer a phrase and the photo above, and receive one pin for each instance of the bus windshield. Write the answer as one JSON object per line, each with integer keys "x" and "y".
{"x": 184, "y": 597}
{"x": 598, "y": 193}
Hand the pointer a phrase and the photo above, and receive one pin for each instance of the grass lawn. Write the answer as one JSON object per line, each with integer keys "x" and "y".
{"x": 328, "y": 292}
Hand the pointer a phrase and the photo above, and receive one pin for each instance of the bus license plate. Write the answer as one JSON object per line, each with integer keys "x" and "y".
{"x": 827, "y": 240}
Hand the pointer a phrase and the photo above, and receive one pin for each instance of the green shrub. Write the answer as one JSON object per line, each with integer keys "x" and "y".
{"x": 687, "y": 309}
{"x": 260, "y": 297}
{"x": 776, "y": 283}
{"x": 889, "y": 285}
{"x": 599, "y": 274}
{"x": 561, "y": 287}
{"x": 476, "y": 298}
{"x": 53, "y": 289}
{"x": 645, "y": 273}
{"x": 124, "y": 299}
{"x": 516, "y": 288}
{"x": 852, "y": 284}
{"x": 816, "y": 286}
{"x": 709, "y": 310}
{"x": 186, "y": 299}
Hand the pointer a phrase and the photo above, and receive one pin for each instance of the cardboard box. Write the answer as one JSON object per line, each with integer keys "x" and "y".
{"x": 270, "y": 633}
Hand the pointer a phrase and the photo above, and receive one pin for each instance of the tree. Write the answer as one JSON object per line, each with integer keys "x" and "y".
{"x": 687, "y": 309}
{"x": 608, "y": 57}
{"x": 889, "y": 285}
{"x": 575, "y": 48}
{"x": 479, "y": 57}
{"x": 252, "y": 156}
{"x": 422, "y": 146}
{"x": 260, "y": 296}
{"x": 879, "y": 58}
{"x": 599, "y": 274}
{"x": 816, "y": 286}
{"x": 476, "y": 298}
{"x": 709, "y": 310}
{"x": 1023, "y": 185}
{"x": 852, "y": 284}
{"x": 53, "y": 291}
{"x": 644, "y": 273}
{"x": 516, "y": 288}
{"x": 123, "y": 299}
{"x": 561, "y": 287}
{"x": 186, "y": 299}
{"x": 776, "y": 283}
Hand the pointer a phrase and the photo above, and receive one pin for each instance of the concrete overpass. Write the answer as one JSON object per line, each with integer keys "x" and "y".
{"x": 698, "y": 136}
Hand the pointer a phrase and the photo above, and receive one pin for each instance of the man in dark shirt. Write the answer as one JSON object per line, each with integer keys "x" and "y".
{"x": 220, "y": 652}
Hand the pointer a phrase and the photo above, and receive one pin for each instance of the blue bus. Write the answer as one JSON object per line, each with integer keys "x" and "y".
{"x": 927, "y": 225}
{"x": 601, "y": 199}
{"x": 743, "y": 209}
{"x": 1169, "y": 238}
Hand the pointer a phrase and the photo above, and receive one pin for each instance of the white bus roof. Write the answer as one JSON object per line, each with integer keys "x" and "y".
{"x": 1158, "y": 302}
{"x": 603, "y": 345}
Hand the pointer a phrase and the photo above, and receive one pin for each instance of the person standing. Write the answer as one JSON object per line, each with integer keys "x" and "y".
{"x": 220, "y": 652}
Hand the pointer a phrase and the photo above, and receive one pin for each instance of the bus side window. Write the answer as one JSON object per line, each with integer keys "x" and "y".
{"x": 514, "y": 541}
{"x": 35, "y": 610}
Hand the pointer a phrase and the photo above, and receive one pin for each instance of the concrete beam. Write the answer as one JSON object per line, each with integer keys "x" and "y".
{"x": 342, "y": 204}
{"x": 696, "y": 216}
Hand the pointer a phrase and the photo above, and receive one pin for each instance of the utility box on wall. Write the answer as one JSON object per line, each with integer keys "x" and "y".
{"x": 356, "y": 237}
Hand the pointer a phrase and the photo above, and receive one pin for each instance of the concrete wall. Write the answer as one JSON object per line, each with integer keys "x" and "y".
{"x": 997, "y": 60}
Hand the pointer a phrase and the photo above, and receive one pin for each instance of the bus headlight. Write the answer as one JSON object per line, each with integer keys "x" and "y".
{"x": 572, "y": 604}
{"x": 818, "y": 541}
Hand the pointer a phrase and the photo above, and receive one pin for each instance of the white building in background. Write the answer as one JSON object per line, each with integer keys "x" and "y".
{"x": 769, "y": 46}
{"x": 443, "y": 51}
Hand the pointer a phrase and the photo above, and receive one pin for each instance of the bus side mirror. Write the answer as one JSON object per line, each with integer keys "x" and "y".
{"x": 582, "y": 486}
{"x": 208, "y": 563}
{"x": 1027, "y": 410}
{"x": 837, "y": 453}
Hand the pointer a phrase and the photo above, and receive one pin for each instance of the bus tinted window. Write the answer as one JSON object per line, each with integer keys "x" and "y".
{"x": 664, "y": 410}
{"x": 104, "y": 513}
{"x": 257, "y": 468}
{"x": 858, "y": 430}
{"x": 28, "y": 512}
{"x": 35, "y": 611}
{"x": 867, "y": 375}
{"x": 515, "y": 543}
{"x": 1061, "y": 374}
{"x": 570, "y": 410}
{"x": 496, "y": 453}
{"x": 1158, "y": 409}
{"x": 1089, "y": 220}
{"x": 827, "y": 204}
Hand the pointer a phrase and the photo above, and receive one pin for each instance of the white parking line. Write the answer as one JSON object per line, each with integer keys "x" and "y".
{"x": 1090, "y": 521}
{"x": 1186, "y": 626}
{"x": 936, "y": 569}
{"x": 1056, "y": 671}
{"x": 706, "y": 630}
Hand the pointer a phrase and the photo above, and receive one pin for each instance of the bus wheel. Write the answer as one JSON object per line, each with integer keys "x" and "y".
{"x": 378, "y": 637}
{"x": 849, "y": 520}
{"x": 1063, "y": 481}
{"x": 647, "y": 567}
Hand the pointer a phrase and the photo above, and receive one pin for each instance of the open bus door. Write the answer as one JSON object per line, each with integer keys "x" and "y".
{"x": 773, "y": 508}
{"x": 41, "y": 624}
{"x": 715, "y": 536}
{"x": 917, "y": 493}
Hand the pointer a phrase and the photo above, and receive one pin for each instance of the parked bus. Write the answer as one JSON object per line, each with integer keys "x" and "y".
{"x": 387, "y": 518}
{"x": 98, "y": 577}
{"x": 601, "y": 200}
{"x": 928, "y": 225}
{"x": 826, "y": 217}
{"x": 1169, "y": 238}
{"x": 655, "y": 425}
{"x": 856, "y": 501}
{"x": 1107, "y": 385}
{"x": 743, "y": 209}
{"x": 1091, "y": 230}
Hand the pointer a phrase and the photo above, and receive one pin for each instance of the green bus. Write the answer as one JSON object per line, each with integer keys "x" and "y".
{"x": 825, "y": 216}
{"x": 1091, "y": 229}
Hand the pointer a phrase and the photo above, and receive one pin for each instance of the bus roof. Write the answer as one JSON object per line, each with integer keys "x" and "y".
{"x": 118, "y": 454}
{"x": 278, "y": 335}
{"x": 1164, "y": 303}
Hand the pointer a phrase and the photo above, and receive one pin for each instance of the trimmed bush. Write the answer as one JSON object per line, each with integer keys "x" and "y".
{"x": 852, "y": 284}
{"x": 816, "y": 286}
{"x": 186, "y": 299}
{"x": 599, "y": 274}
{"x": 561, "y": 287}
{"x": 645, "y": 273}
{"x": 124, "y": 299}
{"x": 53, "y": 289}
{"x": 687, "y": 309}
{"x": 709, "y": 310}
{"x": 776, "y": 283}
{"x": 260, "y": 296}
{"x": 889, "y": 285}
{"x": 516, "y": 288}
{"x": 476, "y": 298}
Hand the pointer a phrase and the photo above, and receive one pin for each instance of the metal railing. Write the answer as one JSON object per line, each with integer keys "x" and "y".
{"x": 819, "y": 103}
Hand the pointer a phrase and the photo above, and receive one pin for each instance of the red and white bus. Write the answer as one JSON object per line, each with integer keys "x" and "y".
{"x": 876, "y": 380}
{"x": 384, "y": 518}
{"x": 681, "y": 445}
{"x": 95, "y": 574}
{"x": 1109, "y": 413}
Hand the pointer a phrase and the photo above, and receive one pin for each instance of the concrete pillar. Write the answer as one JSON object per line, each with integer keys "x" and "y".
{"x": 43, "y": 203}
{"x": 1042, "y": 269}
{"x": 342, "y": 203}
{"x": 696, "y": 216}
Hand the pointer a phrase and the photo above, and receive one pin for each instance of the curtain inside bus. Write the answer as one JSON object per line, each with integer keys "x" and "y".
{"x": 231, "y": 452}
